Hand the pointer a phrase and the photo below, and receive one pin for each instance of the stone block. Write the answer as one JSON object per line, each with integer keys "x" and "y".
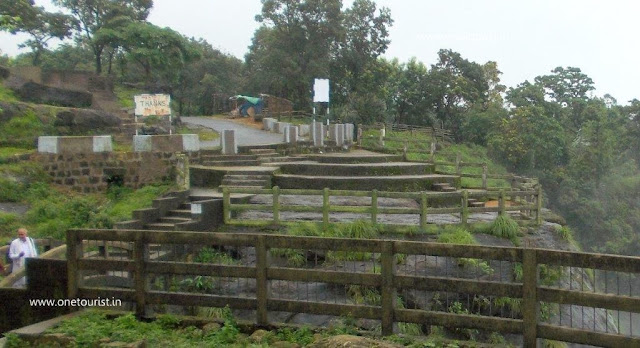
{"x": 304, "y": 130}
{"x": 74, "y": 145}
{"x": 228, "y": 142}
{"x": 268, "y": 123}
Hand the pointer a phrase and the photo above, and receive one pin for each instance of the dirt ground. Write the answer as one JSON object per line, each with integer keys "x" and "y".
{"x": 247, "y": 121}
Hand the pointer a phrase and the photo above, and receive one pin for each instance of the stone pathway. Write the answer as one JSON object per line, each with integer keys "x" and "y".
{"x": 245, "y": 135}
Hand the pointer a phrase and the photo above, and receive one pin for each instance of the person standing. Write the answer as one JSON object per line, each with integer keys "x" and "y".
{"x": 21, "y": 248}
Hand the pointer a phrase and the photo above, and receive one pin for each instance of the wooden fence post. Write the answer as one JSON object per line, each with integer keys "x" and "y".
{"x": 501, "y": 202}
{"x": 325, "y": 208}
{"x": 405, "y": 148}
{"x": 261, "y": 281}
{"x": 74, "y": 253}
{"x": 226, "y": 205}
{"x": 539, "y": 205}
{"x": 464, "y": 212}
{"x": 433, "y": 152}
{"x": 388, "y": 297}
{"x": 484, "y": 176}
{"x": 529, "y": 297}
{"x": 374, "y": 206}
{"x": 139, "y": 258}
{"x": 457, "y": 163}
{"x": 276, "y": 205}
{"x": 423, "y": 211}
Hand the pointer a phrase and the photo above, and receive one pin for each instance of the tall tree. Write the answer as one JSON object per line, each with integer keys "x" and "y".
{"x": 24, "y": 17}
{"x": 293, "y": 46}
{"x": 97, "y": 19}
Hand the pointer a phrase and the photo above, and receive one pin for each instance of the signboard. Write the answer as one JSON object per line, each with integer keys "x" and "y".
{"x": 152, "y": 104}
{"x": 321, "y": 91}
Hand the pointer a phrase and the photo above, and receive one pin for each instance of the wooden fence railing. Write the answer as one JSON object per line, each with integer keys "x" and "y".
{"x": 529, "y": 202}
{"x": 388, "y": 277}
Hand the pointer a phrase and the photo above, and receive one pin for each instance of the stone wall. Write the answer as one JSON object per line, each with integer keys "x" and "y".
{"x": 93, "y": 172}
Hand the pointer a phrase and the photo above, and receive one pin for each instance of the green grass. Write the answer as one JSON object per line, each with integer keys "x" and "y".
{"x": 7, "y": 94}
{"x": 125, "y": 95}
{"x": 204, "y": 134}
{"x": 456, "y": 235}
{"x": 9, "y": 151}
{"x": 502, "y": 227}
{"x": 22, "y": 131}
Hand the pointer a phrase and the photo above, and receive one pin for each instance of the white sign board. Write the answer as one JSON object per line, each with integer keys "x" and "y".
{"x": 152, "y": 104}
{"x": 321, "y": 91}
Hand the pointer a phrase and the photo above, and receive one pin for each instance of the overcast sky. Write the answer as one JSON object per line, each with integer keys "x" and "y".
{"x": 527, "y": 38}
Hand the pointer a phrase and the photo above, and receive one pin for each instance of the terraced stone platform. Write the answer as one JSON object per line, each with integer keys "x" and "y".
{"x": 395, "y": 183}
{"x": 355, "y": 169}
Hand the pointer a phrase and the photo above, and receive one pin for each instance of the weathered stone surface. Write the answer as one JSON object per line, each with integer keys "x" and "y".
{"x": 83, "y": 120}
{"x": 342, "y": 341}
{"x": 41, "y": 94}
{"x": 211, "y": 327}
{"x": 258, "y": 336}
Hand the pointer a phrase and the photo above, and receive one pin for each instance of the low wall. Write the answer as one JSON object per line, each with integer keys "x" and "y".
{"x": 93, "y": 172}
{"x": 74, "y": 145}
{"x": 166, "y": 143}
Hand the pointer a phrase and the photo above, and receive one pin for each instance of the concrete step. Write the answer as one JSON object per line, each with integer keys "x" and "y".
{"x": 246, "y": 187}
{"x": 160, "y": 226}
{"x": 247, "y": 177}
{"x": 237, "y": 163}
{"x": 185, "y": 206}
{"x": 278, "y": 159}
{"x": 443, "y": 187}
{"x": 173, "y": 219}
{"x": 237, "y": 182}
{"x": 180, "y": 213}
{"x": 474, "y": 203}
{"x": 262, "y": 151}
{"x": 219, "y": 157}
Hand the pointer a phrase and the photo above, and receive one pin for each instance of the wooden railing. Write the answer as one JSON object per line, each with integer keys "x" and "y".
{"x": 529, "y": 202}
{"x": 389, "y": 277}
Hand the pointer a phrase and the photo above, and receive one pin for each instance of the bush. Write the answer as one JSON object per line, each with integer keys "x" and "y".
{"x": 504, "y": 227}
{"x": 456, "y": 236}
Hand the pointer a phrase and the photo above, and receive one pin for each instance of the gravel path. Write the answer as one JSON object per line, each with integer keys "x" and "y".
{"x": 244, "y": 135}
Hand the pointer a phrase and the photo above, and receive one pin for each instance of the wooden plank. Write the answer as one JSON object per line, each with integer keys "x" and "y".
{"x": 354, "y": 311}
{"x": 529, "y": 297}
{"x": 452, "y": 250}
{"x": 250, "y": 190}
{"x": 629, "y": 264}
{"x": 399, "y": 211}
{"x": 301, "y": 208}
{"x": 117, "y": 294}
{"x": 200, "y": 238}
{"x": 320, "y": 243}
{"x": 108, "y": 235}
{"x": 388, "y": 296}
{"x": 205, "y": 269}
{"x": 262, "y": 285}
{"x": 589, "y": 299}
{"x": 600, "y": 339}
{"x": 140, "y": 280}
{"x": 451, "y": 320}
{"x": 191, "y": 299}
{"x": 467, "y": 286}
{"x": 103, "y": 265}
{"x": 74, "y": 253}
{"x": 250, "y": 207}
{"x": 333, "y": 277}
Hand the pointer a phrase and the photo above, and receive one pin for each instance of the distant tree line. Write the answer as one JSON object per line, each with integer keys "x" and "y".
{"x": 585, "y": 149}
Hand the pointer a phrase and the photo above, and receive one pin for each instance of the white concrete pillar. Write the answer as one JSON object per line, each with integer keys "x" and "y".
{"x": 228, "y": 142}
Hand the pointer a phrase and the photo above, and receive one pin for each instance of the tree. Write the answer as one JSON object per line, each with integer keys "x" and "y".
{"x": 293, "y": 46}
{"x": 412, "y": 102}
{"x": 98, "y": 20}
{"x": 24, "y": 17}
{"x": 366, "y": 37}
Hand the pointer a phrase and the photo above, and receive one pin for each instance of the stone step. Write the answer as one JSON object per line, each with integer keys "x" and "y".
{"x": 262, "y": 151}
{"x": 281, "y": 159}
{"x": 237, "y": 182}
{"x": 237, "y": 163}
{"x": 247, "y": 177}
{"x": 185, "y": 206}
{"x": 181, "y": 213}
{"x": 173, "y": 219}
{"x": 234, "y": 186}
{"x": 443, "y": 187}
{"x": 474, "y": 203}
{"x": 160, "y": 226}
{"x": 228, "y": 157}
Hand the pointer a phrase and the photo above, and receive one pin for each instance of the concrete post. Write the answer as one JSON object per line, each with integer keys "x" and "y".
{"x": 339, "y": 129}
{"x": 228, "y": 142}
{"x": 318, "y": 134}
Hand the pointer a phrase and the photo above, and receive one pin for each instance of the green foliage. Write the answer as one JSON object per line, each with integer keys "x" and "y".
{"x": 126, "y": 95}
{"x": 553, "y": 344}
{"x": 125, "y": 200}
{"x": 302, "y": 336}
{"x": 6, "y": 95}
{"x": 210, "y": 255}
{"x": 22, "y": 131}
{"x": 456, "y": 235}
{"x": 505, "y": 227}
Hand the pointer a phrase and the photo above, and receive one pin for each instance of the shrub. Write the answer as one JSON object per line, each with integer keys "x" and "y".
{"x": 505, "y": 227}
{"x": 456, "y": 236}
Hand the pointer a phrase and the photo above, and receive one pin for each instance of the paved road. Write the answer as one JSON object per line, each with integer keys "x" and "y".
{"x": 244, "y": 135}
